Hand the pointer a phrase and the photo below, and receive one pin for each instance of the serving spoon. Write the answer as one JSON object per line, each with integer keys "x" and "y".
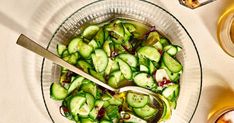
{"x": 29, "y": 44}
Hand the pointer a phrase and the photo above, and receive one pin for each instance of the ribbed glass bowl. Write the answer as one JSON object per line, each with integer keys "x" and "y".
{"x": 143, "y": 11}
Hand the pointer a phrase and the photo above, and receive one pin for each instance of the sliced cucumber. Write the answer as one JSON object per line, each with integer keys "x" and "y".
{"x": 144, "y": 80}
{"x": 173, "y": 76}
{"x": 60, "y": 49}
{"x": 72, "y": 58}
{"x": 90, "y": 100}
{"x": 105, "y": 121}
{"x": 84, "y": 65}
{"x": 171, "y": 92}
{"x": 74, "y": 45}
{"x": 112, "y": 111}
{"x": 143, "y": 68}
{"x": 100, "y": 37}
{"x": 127, "y": 34}
{"x": 90, "y": 31}
{"x": 130, "y": 27}
{"x": 152, "y": 68}
{"x": 125, "y": 69}
{"x": 75, "y": 104}
{"x": 84, "y": 49}
{"x": 57, "y": 92}
{"x": 114, "y": 79}
{"x": 106, "y": 47}
{"x": 100, "y": 60}
{"x": 97, "y": 106}
{"x": 90, "y": 87}
{"x": 150, "y": 53}
{"x": 65, "y": 53}
{"x": 84, "y": 110}
{"x": 75, "y": 84}
{"x": 129, "y": 58}
{"x": 170, "y": 49}
{"x": 164, "y": 42}
{"x": 137, "y": 100}
{"x": 158, "y": 46}
{"x": 109, "y": 66}
{"x": 172, "y": 64}
{"x": 115, "y": 66}
{"x": 145, "y": 112}
{"x": 94, "y": 44}
{"x": 87, "y": 120}
{"x": 97, "y": 75}
{"x": 152, "y": 38}
{"x": 115, "y": 100}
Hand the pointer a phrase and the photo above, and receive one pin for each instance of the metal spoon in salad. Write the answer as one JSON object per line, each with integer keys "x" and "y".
{"x": 156, "y": 100}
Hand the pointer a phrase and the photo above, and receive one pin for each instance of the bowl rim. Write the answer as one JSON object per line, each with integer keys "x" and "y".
{"x": 199, "y": 59}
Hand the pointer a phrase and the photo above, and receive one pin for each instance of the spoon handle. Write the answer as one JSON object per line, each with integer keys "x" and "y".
{"x": 36, "y": 48}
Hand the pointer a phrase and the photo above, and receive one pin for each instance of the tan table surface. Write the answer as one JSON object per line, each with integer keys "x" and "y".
{"x": 17, "y": 103}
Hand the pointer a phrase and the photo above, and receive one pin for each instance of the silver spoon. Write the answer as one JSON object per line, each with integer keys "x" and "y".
{"x": 36, "y": 48}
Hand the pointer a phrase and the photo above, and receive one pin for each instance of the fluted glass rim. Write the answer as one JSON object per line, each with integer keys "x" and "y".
{"x": 177, "y": 20}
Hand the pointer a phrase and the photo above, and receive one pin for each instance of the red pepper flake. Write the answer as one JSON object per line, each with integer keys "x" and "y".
{"x": 164, "y": 82}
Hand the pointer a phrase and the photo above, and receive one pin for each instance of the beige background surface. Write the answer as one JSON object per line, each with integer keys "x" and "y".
{"x": 22, "y": 103}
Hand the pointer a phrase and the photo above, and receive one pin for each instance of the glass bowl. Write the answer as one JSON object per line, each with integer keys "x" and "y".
{"x": 143, "y": 11}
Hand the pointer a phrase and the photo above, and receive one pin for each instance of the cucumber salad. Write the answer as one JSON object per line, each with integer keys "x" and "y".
{"x": 120, "y": 53}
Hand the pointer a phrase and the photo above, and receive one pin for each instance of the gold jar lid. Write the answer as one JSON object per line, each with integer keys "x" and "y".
{"x": 225, "y": 31}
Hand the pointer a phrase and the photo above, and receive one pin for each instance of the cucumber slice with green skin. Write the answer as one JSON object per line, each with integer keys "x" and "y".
{"x": 164, "y": 42}
{"x": 129, "y": 58}
{"x": 114, "y": 79}
{"x": 75, "y": 104}
{"x": 72, "y": 58}
{"x": 105, "y": 121}
{"x": 65, "y": 53}
{"x": 60, "y": 49}
{"x": 97, "y": 75}
{"x": 125, "y": 69}
{"x": 57, "y": 92}
{"x": 90, "y": 100}
{"x": 115, "y": 100}
{"x": 74, "y": 45}
{"x": 173, "y": 76}
{"x": 172, "y": 64}
{"x": 100, "y": 60}
{"x": 94, "y": 44}
{"x": 112, "y": 111}
{"x": 137, "y": 100}
{"x": 130, "y": 27}
{"x": 150, "y": 52}
{"x": 109, "y": 66}
{"x": 130, "y": 118}
{"x": 116, "y": 28}
{"x": 75, "y": 84}
{"x": 89, "y": 87}
{"x": 85, "y": 66}
{"x": 84, "y": 49}
{"x": 145, "y": 112}
{"x": 144, "y": 80}
{"x": 106, "y": 47}
{"x": 100, "y": 37}
{"x": 170, "y": 49}
{"x": 171, "y": 92}
{"x": 84, "y": 110}
{"x": 143, "y": 68}
{"x": 127, "y": 34}
{"x": 90, "y": 31}
{"x": 88, "y": 120}
{"x": 152, "y": 38}
{"x": 115, "y": 66}
{"x": 97, "y": 106}
{"x": 158, "y": 46}
{"x": 152, "y": 68}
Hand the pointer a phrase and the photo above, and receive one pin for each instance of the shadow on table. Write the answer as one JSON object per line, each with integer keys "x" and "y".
{"x": 216, "y": 93}
{"x": 215, "y": 9}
